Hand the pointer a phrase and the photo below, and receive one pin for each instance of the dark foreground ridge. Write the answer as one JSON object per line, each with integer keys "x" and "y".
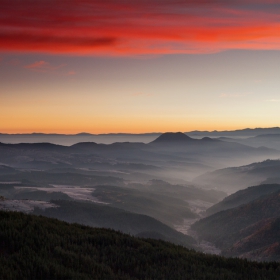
{"x": 35, "y": 247}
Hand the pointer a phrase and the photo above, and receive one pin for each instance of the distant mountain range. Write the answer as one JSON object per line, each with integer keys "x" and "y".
{"x": 70, "y": 139}
{"x": 264, "y": 140}
{"x": 171, "y": 156}
{"x": 247, "y": 132}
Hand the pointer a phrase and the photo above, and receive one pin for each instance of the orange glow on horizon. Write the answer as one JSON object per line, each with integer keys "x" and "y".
{"x": 139, "y": 129}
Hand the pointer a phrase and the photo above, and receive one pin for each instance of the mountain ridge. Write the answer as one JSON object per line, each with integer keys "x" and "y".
{"x": 246, "y": 229}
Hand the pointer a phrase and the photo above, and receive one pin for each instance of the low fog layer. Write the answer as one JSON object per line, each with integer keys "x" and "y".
{"x": 233, "y": 179}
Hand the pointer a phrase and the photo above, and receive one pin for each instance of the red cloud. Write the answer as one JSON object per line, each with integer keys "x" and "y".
{"x": 42, "y": 66}
{"x": 138, "y": 27}
{"x": 39, "y": 64}
{"x": 71, "y": 73}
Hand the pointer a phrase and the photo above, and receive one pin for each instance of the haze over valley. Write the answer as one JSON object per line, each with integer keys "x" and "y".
{"x": 163, "y": 189}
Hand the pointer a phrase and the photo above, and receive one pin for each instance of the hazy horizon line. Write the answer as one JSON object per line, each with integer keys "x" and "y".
{"x": 130, "y": 133}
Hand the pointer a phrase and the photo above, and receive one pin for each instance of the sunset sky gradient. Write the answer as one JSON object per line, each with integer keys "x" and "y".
{"x": 138, "y": 66}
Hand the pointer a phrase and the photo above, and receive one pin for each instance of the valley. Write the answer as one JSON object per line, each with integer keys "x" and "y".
{"x": 175, "y": 188}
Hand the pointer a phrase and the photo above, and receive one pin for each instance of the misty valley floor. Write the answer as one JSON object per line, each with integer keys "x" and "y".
{"x": 198, "y": 207}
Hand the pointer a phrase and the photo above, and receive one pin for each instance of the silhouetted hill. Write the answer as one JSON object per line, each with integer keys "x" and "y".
{"x": 83, "y": 134}
{"x": 208, "y": 139}
{"x": 41, "y": 248}
{"x": 207, "y": 146}
{"x": 251, "y": 230}
{"x": 180, "y": 138}
{"x": 171, "y": 137}
{"x": 35, "y": 146}
{"x": 85, "y": 145}
{"x": 242, "y": 197}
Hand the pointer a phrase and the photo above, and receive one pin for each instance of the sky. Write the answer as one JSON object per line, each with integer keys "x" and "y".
{"x": 138, "y": 66}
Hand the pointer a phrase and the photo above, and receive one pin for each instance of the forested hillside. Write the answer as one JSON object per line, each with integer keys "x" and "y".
{"x": 33, "y": 247}
{"x": 103, "y": 216}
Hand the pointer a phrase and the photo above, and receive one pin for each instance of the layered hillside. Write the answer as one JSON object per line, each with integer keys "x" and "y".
{"x": 251, "y": 230}
{"x": 233, "y": 179}
{"x": 242, "y": 197}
